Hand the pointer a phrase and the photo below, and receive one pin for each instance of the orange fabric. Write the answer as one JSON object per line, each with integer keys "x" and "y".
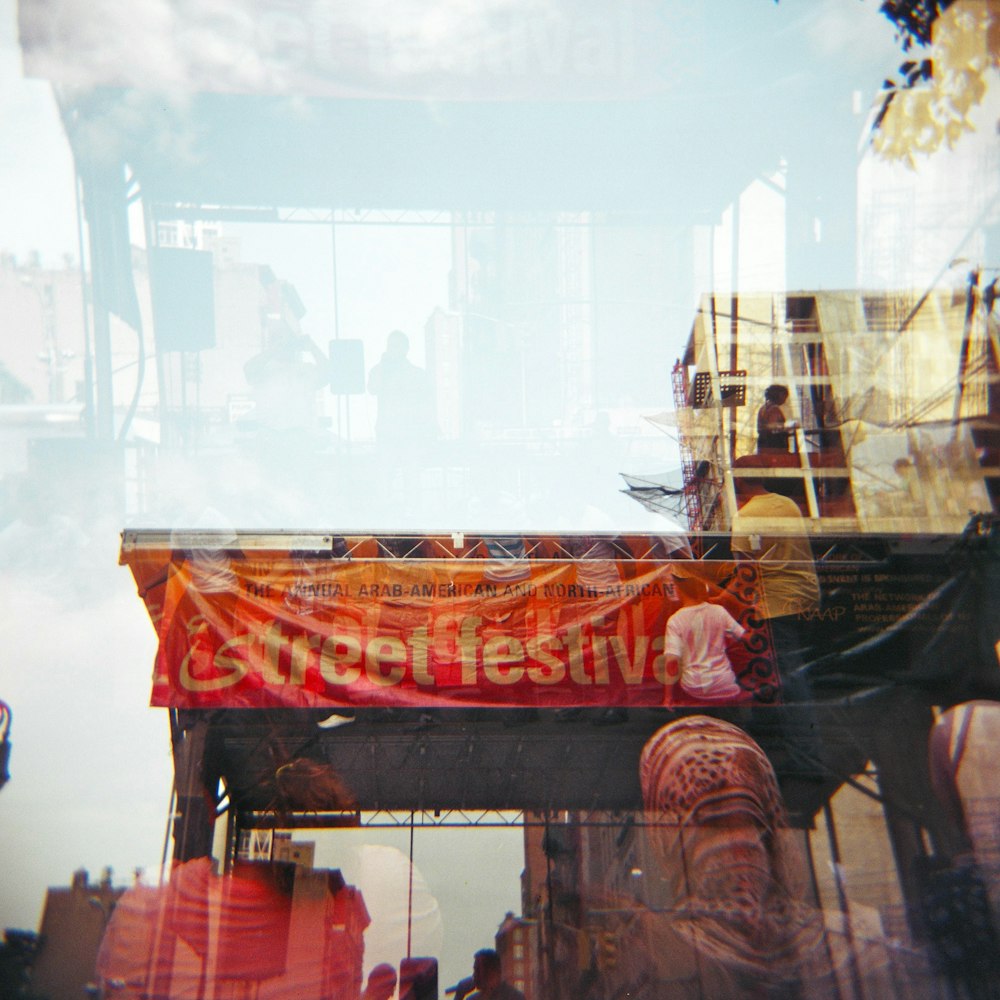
{"x": 293, "y": 934}
{"x": 434, "y": 632}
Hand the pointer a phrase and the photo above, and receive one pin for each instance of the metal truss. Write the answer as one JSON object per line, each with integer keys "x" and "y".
{"x": 443, "y": 819}
{"x": 461, "y": 818}
{"x": 458, "y": 545}
{"x": 578, "y": 547}
{"x": 366, "y": 217}
{"x": 500, "y": 818}
{"x": 441, "y": 218}
{"x": 164, "y": 212}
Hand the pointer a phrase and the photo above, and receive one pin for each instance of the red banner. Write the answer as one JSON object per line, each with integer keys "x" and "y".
{"x": 281, "y": 631}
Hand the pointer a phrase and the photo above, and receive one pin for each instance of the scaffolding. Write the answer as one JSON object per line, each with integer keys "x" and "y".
{"x": 891, "y": 415}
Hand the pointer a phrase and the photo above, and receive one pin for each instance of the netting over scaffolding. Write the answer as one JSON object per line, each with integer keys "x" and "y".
{"x": 875, "y": 411}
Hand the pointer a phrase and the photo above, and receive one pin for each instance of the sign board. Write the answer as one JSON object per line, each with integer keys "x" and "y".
{"x": 280, "y": 629}
{"x": 526, "y": 624}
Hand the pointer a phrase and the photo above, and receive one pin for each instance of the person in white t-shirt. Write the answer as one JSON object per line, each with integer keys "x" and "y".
{"x": 696, "y": 639}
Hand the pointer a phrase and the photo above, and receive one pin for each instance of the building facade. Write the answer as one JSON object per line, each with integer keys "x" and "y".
{"x": 889, "y": 412}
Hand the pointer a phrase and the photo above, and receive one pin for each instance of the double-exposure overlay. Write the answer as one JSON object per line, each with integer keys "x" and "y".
{"x": 500, "y": 501}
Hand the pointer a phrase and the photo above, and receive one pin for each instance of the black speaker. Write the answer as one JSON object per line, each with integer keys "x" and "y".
{"x": 347, "y": 367}
{"x": 183, "y": 292}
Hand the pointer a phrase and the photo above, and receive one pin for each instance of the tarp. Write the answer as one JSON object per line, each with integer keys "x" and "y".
{"x": 279, "y": 630}
{"x": 923, "y": 619}
{"x": 511, "y": 625}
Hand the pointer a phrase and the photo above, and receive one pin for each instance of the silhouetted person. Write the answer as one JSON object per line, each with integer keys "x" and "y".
{"x": 773, "y": 429}
{"x": 403, "y": 393}
{"x": 381, "y": 983}
{"x": 462, "y": 988}
{"x": 489, "y": 981}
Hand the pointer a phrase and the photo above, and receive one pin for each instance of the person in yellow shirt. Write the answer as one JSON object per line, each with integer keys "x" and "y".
{"x": 769, "y": 529}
